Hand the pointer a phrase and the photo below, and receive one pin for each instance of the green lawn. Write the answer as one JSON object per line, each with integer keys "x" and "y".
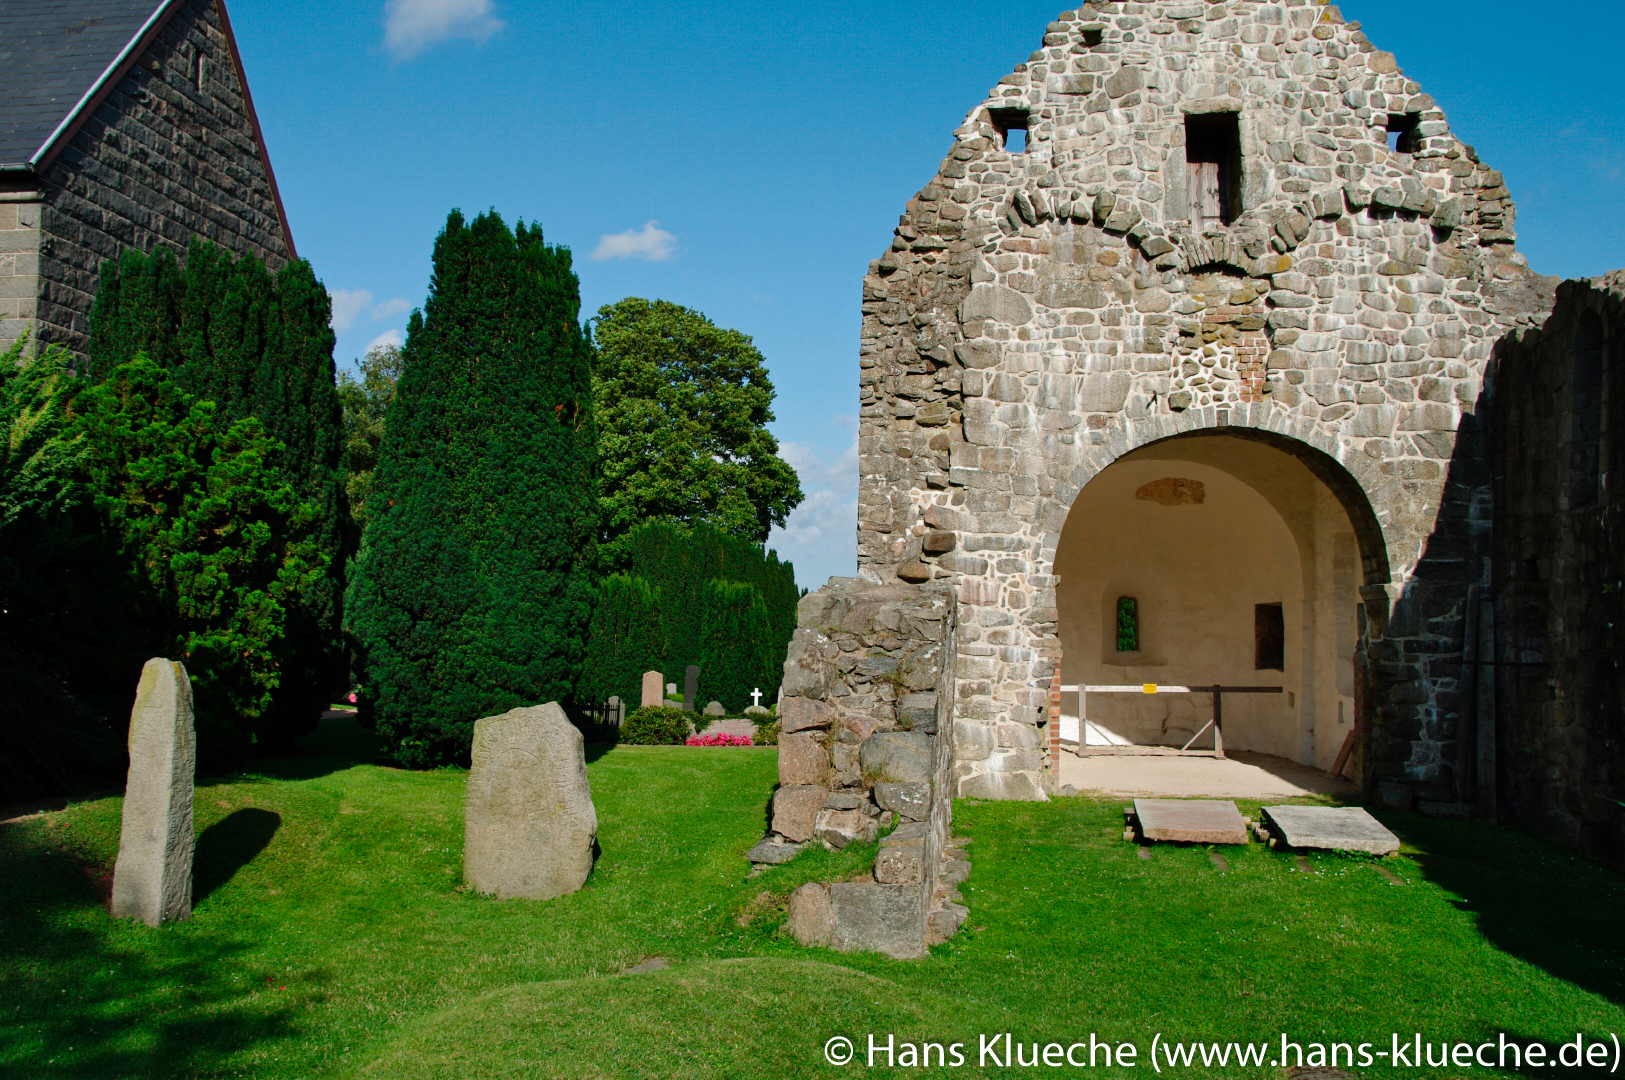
{"x": 331, "y": 939}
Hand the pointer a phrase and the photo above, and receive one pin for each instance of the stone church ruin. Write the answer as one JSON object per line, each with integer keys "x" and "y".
{"x": 1182, "y": 370}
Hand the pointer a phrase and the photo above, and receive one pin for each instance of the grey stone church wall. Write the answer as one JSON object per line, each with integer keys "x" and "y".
{"x": 1559, "y": 600}
{"x": 1041, "y": 311}
{"x": 169, "y": 154}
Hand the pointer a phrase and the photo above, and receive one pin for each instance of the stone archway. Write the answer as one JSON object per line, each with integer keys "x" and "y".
{"x": 1216, "y": 557}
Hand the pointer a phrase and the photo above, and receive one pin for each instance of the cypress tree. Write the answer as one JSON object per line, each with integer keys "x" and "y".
{"x": 473, "y": 587}
{"x": 257, "y": 345}
{"x": 626, "y": 639}
{"x": 718, "y": 601}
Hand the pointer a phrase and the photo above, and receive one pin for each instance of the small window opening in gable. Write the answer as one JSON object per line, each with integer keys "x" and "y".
{"x": 1213, "y": 168}
{"x": 1402, "y": 136}
{"x": 1128, "y": 624}
{"x": 200, "y": 70}
{"x": 1091, "y": 36}
{"x": 1269, "y": 638}
{"x": 1011, "y": 124}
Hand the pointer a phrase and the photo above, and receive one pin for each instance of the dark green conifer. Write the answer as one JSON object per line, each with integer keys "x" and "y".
{"x": 257, "y": 345}
{"x": 693, "y": 596}
{"x": 472, "y": 591}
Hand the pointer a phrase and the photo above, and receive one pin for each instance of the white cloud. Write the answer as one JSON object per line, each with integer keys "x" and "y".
{"x": 388, "y": 337}
{"x": 391, "y": 307}
{"x": 410, "y": 26}
{"x": 348, "y": 305}
{"x": 646, "y": 243}
{"x": 820, "y": 535}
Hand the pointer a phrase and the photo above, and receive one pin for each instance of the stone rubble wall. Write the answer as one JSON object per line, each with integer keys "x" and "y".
{"x": 868, "y": 687}
{"x": 1039, "y": 314}
{"x": 1558, "y": 605}
{"x": 166, "y": 156}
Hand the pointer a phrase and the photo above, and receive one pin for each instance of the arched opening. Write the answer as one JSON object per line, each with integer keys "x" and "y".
{"x": 1234, "y": 559}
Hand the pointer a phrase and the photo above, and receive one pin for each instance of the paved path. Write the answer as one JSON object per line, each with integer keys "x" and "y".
{"x": 1242, "y": 775}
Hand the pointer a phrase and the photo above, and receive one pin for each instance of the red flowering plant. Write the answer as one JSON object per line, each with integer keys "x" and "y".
{"x": 719, "y": 740}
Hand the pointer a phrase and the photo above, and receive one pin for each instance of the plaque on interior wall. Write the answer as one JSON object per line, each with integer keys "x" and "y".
{"x": 1171, "y": 491}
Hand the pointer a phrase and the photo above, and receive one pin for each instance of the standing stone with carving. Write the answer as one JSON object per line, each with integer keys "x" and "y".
{"x": 152, "y": 880}
{"x": 529, "y": 822}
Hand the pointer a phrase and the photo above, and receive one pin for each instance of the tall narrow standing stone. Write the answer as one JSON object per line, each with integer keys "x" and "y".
{"x": 528, "y": 818}
{"x": 653, "y": 691}
{"x": 152, "y": 880}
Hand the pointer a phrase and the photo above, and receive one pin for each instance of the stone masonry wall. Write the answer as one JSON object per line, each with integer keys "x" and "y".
{"x": 1040, "y": 313}
{"x": 867, "y": 691}
{"x": 1559, "y": 592}
{"x": 19, "y": 264}
{"x": 169, "y": 154}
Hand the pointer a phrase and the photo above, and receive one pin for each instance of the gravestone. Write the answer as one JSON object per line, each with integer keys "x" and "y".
{"x": 1191, "y": 821}
{"x": 715, "y": 708}
{"x": 614, "y": 711}
{"x": 1331, "y": 828}
{"x": 691, "y": 685}
{"x": 651, "y": 690}
{"x": 671, "y": 689}
{"x": 528, "y": 819}
{"x": 152, "y": 879}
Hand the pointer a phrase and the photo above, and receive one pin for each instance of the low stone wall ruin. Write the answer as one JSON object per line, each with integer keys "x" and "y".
{"x": 869, "y": 689}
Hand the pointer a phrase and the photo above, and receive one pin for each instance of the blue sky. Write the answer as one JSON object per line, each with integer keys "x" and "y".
{"x": 749, "y": 160}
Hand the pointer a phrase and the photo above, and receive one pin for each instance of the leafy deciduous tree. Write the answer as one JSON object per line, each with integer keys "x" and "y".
{"x": 366, "y": 402}
{"x": 683, "y": 408}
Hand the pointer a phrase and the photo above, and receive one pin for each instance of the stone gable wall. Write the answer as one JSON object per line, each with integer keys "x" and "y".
{"x": 1039, "y": 314}
{"x": 165, "y": 157}
{"x": 1557, "y": 734}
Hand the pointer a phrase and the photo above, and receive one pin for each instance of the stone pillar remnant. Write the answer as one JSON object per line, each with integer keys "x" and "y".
{"x": 152, "y": 879}
{"x": 529, "y": 823}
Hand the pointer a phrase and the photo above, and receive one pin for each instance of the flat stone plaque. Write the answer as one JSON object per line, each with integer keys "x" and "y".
{"x": 1332, "y": 828}
{"x": 1194, "y": 821}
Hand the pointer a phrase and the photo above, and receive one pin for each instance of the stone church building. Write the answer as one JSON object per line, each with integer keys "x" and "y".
{"x": 1182, "y": 370}
{"x": 123, "y": 124}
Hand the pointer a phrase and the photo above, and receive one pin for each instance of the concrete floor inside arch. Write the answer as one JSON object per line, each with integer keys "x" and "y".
{"x": 1203, "y": 533}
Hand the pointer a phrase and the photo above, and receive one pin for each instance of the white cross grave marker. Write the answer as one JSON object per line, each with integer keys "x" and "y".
{"x": 756, "y": 695}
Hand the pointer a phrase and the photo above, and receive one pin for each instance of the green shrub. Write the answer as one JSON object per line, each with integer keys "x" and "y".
{"x": 767, "y": 734}
{"x": 256, "y": 344}
{"x": 656, "y": 725}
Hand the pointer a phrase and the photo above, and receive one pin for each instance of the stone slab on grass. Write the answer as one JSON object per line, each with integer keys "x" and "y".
{"x": 1193, "y": 821}
{"x": 771, "y": 851}
{"x": 729, "y": 727}
{"x": 886, "y": 919}
{"x": 1330, "y": 828}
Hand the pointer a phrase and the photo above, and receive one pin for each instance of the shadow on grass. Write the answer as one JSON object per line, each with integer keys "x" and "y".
{"x": 229, "y": 845}
{"x": 89, "y": 997}
{"x": 1531, "y": 899}
{"x": 339, "y": 742}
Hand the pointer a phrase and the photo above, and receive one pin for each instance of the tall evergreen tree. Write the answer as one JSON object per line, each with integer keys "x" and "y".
{"x": 257, "y": 345}
{"x": 692, "y": 596}
{"x": 473, "y": 588}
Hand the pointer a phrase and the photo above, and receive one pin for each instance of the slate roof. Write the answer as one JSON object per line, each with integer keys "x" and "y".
{"x": 51, "y": 52}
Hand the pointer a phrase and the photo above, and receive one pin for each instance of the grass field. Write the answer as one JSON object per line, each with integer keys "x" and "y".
{"x": 331, "y": 939}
